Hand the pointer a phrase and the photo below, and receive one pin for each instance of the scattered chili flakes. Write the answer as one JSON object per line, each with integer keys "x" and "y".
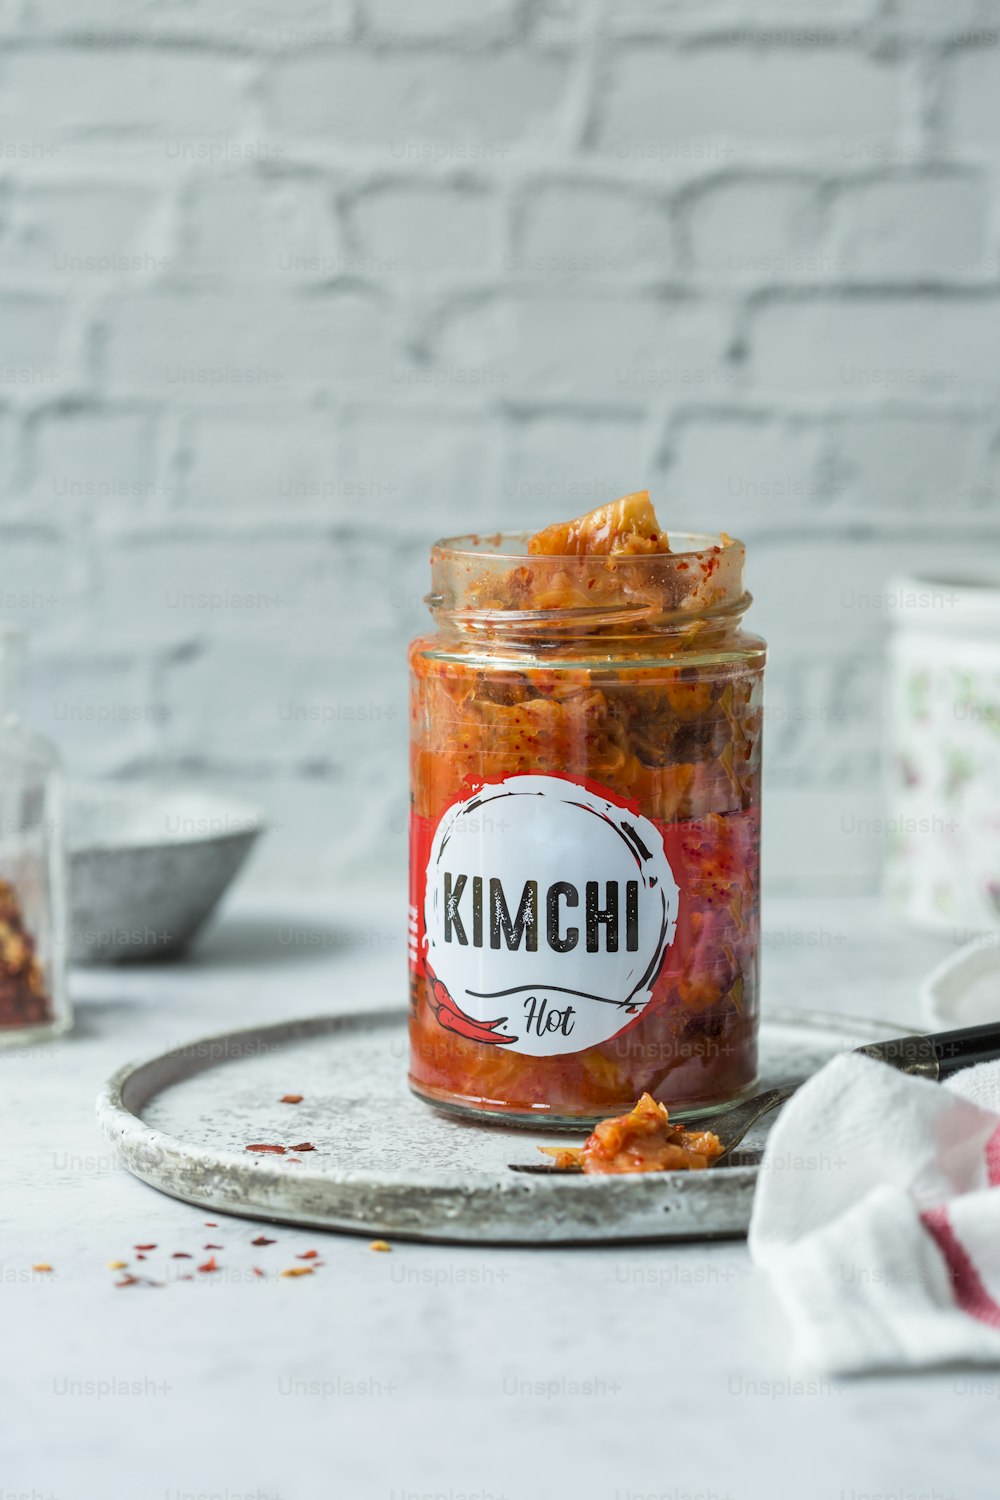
{"x": 275, "y": 1150}
{"x": 210, "y": 1265}
{"x": 291, "y": 1099}
{"x": 303, "y": 1146}
{"x": 213, "y": 1247}
{"x": 42, "y": 1265}
{"x": 262, "y": 1239}
{"x": 143, "y": 1247}
{"x": 307, "y": 1255}
{"x": 140, "y": 1257}
{"x": 180, "y": 1255}
{"x": 117, "y": 1265}
{"x": 380, "y": 1245}
{"x": 210, "y": 1224}
{"x": 297, "y": 1271}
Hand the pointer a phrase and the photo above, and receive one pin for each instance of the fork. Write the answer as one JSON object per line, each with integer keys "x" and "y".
{"x": 935, "y": 1055}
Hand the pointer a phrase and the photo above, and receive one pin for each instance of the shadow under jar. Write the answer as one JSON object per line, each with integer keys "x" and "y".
{"x": 585, "y": 832}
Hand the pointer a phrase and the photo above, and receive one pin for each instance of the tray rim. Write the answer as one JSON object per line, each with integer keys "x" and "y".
{"x": 152, "y": 1155}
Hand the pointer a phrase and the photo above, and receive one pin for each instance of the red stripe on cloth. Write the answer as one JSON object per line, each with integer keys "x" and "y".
{"x": 993, "y": 1158}
{"x": 970, "y": 1294}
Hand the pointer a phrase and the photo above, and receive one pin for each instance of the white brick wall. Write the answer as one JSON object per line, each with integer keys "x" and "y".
{"x": 289, "y": 287}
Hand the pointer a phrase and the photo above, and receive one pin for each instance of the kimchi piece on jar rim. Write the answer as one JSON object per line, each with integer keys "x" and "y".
{"x": 585, "y": 780}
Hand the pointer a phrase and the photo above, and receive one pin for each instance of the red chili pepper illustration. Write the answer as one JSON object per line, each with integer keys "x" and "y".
{"x": 451, "y": 1018}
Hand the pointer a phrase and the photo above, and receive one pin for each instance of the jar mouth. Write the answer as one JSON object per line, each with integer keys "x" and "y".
{"x": 502, "y": 546}
{"x": 492, "y": 583}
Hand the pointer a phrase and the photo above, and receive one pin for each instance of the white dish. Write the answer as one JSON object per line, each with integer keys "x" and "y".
{"x": 147, "y": 866}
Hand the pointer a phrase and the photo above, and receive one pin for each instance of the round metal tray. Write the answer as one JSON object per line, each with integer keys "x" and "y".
{"x": 386, "y": 1164}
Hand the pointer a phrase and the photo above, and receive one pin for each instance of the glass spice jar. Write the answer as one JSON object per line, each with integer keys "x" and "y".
{"x": 585, "y": 772}
{"x": 34, "y": 1001}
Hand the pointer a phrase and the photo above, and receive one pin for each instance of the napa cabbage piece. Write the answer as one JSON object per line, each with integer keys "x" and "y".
{"x": 625, "y": 528}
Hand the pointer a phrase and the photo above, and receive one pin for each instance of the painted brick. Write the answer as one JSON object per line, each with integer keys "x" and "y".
{"x": 788, "y": 22}
{"x": 247, "y": 23}
{"x": 52, "y": 94}
{"x": 759, "y": 230}
{"x": 95, "y": 233}
{"x": 98, "y": 707}
{"x": 626, "y": 351}
{"x": 34, "y": 356}
{"x": 405, "y": 230}
{"x": 262, "y": 229}
{"x": 792, "y": 100}
{"x": 851, "y": 348}
{"x": 176, "y": 588}
{"x": 912, "y": 227}
{"x": 560, "y": 466}
{"x": 305, "y": 708}
{"x": 287, "y": 465}
{"x": 429, "y": 471}
{"x": 571, "y": 231}
{"x": 96, "y": 459}
{"x": 394, "y": 20}
{"x": 222, "y": 349}
{"x": 42, "y": 584}
{"x": 455, "y": 359}
{"x": 811, "y": 591}
{"x": 967, "y": 22}
{"x": 916, "y": 462}
{"x": 739, "y": 472}
{"x": 972, "y": 101}
{"x": 422, "y": 107}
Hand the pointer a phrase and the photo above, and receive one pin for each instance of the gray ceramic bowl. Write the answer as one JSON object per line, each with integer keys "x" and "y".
{"x": 148, "y": 866}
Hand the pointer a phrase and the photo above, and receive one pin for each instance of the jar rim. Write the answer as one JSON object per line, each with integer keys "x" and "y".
{"x": 493, "y": 545}
{"x": 479, "y": 583}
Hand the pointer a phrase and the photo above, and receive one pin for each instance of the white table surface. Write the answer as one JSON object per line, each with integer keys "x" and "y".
{"x": 601, "y": 1374}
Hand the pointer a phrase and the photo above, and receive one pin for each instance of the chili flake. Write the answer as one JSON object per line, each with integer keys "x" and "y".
{"x": 42, "y": 1266}
{"x": 380, "y": 1245}
{"x": 276, "y": 1150}
{"x": 117, "y": 1265}
{"x": 303, "y": 1146}
{"x": 263, "y": 1240}
{"x": 291, "y": 1099}
{"x": 297, "y": 1271}
{"x": 210, "y": 1264}
{"x": 307, "y": 1255}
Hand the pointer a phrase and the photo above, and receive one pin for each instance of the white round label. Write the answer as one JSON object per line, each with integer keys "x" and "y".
{"x": 548, "y": 910}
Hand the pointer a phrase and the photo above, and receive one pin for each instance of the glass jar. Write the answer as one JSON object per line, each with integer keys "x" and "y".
{"x": 942, "y": 845}
{"x": 34, "y": 1001}
{"x": 585, "y": 773}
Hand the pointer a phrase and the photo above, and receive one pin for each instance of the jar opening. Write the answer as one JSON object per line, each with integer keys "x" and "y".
{"x": 493, "y": 584}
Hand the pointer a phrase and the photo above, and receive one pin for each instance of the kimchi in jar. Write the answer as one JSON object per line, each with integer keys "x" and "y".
{"x": 585, "y": 759}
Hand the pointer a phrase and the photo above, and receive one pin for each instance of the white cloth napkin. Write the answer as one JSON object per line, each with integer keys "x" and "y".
{"x": 877, "y": 1217}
